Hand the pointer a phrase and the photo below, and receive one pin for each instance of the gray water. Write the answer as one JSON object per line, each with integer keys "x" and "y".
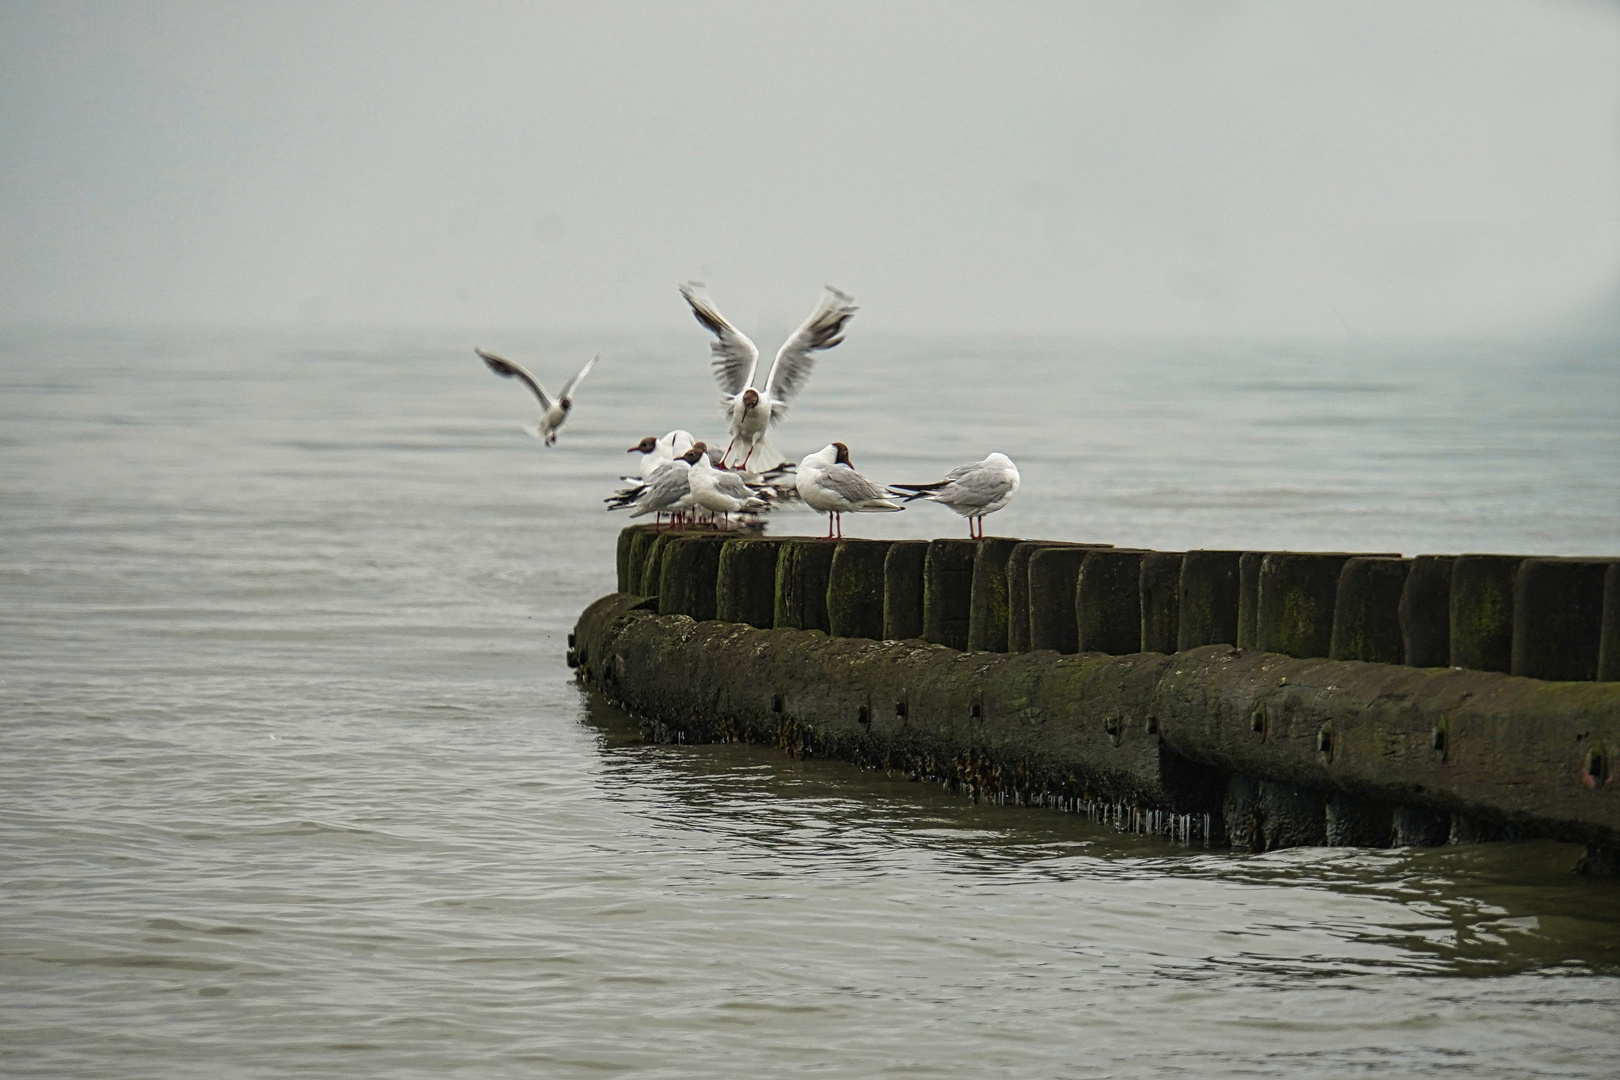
{"x": 294, "y": 781}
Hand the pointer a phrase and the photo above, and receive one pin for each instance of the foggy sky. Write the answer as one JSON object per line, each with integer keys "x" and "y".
{"x": 1289, "y": 168}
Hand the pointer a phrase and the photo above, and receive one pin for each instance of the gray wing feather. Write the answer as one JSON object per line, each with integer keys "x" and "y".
{"x": 975, "y": 487}
{"x": 821, "y": 331}
{"x": 851, "y": 485}
{"x": 568, "y": 391}
{"x": 506, "y": 369}
{"x": 735, "y": 357}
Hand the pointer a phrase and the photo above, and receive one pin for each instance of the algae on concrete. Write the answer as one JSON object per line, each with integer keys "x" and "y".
{"x": 1482, "y": 611}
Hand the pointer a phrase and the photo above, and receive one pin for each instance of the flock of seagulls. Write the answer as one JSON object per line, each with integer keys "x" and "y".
{"x": 682, "y": 478}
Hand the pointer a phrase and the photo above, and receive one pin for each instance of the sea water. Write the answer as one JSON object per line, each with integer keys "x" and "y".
{"x": 294, "y": 780}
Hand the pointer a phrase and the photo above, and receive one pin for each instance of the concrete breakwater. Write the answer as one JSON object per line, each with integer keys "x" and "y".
{"x": 1258, "y": 699}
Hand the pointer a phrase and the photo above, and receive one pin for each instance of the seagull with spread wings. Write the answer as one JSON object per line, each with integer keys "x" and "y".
{"x": 552, "y": 413}
{"x": 750, "y": 411}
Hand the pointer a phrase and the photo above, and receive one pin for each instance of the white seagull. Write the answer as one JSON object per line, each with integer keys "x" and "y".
{"x": 657, "y": 452}
{"x": 971, "y": 490}
{"x": 829, "y": 484}
{"x": 669, "y": 491}
{"x": 750, "y": 411}
{"x": 721, "y": 492}
{"x": 552, "y": 413}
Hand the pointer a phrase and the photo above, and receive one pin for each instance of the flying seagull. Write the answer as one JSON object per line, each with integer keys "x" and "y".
{"x": 552, "y": 413}
{"x": 748, "y": 410}
{"x": 971, "y": 490}
{"x": 828, "y": 483}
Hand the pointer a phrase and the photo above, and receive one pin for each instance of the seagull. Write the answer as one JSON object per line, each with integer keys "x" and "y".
{"x": 829, "y": 484}
{"x": 750, "y": 411}
{"x": 971, "y": 490}
{"x": 552, "y": 413}
{"x": 657, "y": 452}
{"x": 669, "y": 491}
{"x": 721, "y": 492}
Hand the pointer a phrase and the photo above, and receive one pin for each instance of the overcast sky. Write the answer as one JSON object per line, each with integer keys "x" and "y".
{"x": 1370, "y": 169}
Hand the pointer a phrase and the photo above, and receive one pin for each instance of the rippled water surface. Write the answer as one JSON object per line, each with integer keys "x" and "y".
{"x": 294, "y": 781}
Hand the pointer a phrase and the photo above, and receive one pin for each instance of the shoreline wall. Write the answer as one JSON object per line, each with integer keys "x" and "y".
{"x": 1317, "y": 733}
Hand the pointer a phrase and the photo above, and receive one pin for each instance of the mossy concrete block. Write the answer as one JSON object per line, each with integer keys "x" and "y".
{"x": 1425, "y": 612}
{"x": 948, "y": 591}
{"x": 1558, "y": 618}
{"x": 629, "y": 581}
{"x": 989, "y": 607}
{"x": 802, "y": 569}
{"x": 1248, "y": 597}
{"x": 855, "y": 589}
{"x": 1108, "y": 602}
{"x": 1054, "y": 577}
{"x": 1353, "y": 822}
{"x": 745, "y": 589}
{"x": 1018, "y": 592}
{"x": 1161, "y": 601}
{"x": 688, "y": 577}
{"x": 652, "y": 570}
{"x": 1367, "y": 611}
{"x": 1420, "y": 826}
{"x": 1482, "y": 611}
{"x": 1294, "y": 612}
{"x": 903, "y": 590}
{"x": 1609, "y": 643}
{"x": 1208, "y": 609}
{"x": 641, "y": 542}
{"x": 1518, "y": 753}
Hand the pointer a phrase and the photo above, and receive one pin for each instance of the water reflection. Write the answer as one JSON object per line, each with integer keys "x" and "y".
{"x": 1468, "y": 910}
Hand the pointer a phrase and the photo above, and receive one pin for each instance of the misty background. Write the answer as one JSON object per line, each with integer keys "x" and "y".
{"x": 1291, "y": 169}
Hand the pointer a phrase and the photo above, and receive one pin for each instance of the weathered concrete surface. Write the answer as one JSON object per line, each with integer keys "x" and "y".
{"x": 855, "y": 588}
{"x": 745, "y": 589}
{"x": 1482, "y": 611}
{"x": 1294, "y": 609}
{"x": 1509, "y": 750}
{"x": 688, "y": 574}
{"x": 1248, "y": 597}
{"x": 1054, "y": 575}
{"x": 1425, "y": 611}
{"x": 1367, "y": 613}
{"x": 1160, "y": 592}
{"x": 802, "y": 568}
{"x": 903, "y": 590}
{"x": 1609, "y": 642}
{"x": 988, "y": 611}
{"x": 948, "y": 591}
{"x": 1208, "y": 612}
{"x": 1146, "y": 730}
{"x": 1108, "y": 602}
{"x": 1558, "y": 618}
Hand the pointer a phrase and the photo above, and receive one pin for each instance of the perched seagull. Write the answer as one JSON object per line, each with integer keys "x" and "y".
{"x": 658, "y": 452}
{"x": 552, "y": 413}
{"x": 750, "y": 411}
{"x": 829, "y": 484}
{"x": 669, "y": 491}
{"x": 971, "y": 490}
{"x": 721, "y": 492}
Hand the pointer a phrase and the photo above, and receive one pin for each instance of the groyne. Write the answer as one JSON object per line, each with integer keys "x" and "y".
{"x": 1253, "y": 699}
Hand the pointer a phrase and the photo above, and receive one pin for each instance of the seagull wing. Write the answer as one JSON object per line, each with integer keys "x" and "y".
{"x": 568, "y": 391}
{"x": 977, "y": 488}
{"x": 735, "y": 357}
{"x": 508, "y": 370}
{"x": 848, "y": 484}
{"x": 822, "y": 330}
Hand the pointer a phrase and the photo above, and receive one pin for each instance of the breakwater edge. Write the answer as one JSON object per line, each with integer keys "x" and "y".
{"x": 1257, "y": 700}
